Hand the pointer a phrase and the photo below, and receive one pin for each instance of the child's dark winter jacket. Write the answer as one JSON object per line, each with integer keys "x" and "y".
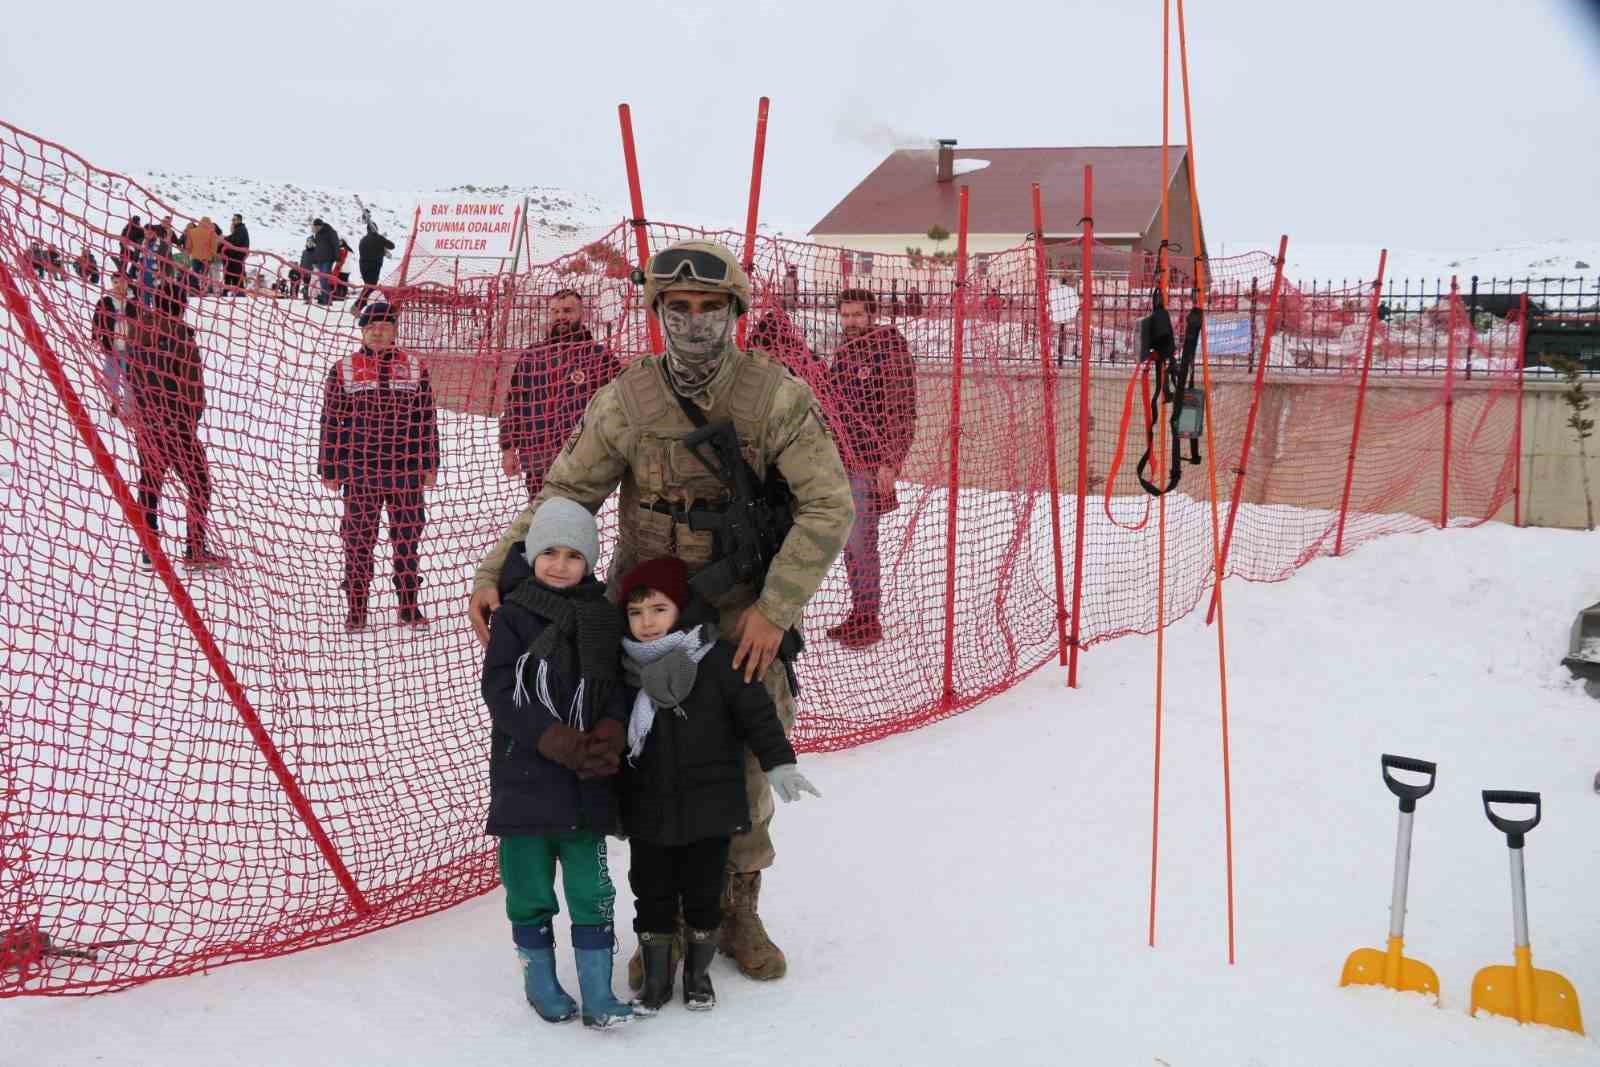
{"x": 529, "y": 794}
{"x": 688, "y": 784}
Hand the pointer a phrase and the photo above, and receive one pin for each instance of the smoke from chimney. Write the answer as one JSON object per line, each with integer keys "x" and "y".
{"x": 947, "y": 160}
{"x": 853, "y": 126}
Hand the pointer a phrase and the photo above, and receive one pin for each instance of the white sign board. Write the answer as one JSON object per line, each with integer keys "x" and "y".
{"x": 467, "y": 229}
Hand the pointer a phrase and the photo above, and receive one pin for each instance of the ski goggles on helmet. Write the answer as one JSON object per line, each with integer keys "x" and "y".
{"x": 670, "y": 265}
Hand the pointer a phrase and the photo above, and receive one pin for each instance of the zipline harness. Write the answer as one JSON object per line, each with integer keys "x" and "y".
{"x": 1173, "y": 387}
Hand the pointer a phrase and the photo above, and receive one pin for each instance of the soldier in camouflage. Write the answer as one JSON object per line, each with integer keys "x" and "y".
{"x": 631, "y": 435}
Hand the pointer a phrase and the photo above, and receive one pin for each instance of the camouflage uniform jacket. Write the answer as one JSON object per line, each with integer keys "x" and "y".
{"x": 632, "y": 435}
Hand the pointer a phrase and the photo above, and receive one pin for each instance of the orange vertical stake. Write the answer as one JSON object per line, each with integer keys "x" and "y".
{"x": 1085, "y": 309}
{"x": 1047, "y": 377}
{"x": 958, "y": 307}
{"x": 1361, "y": 400}
{"x": 753, "y": 209}
{"x": 641, "y": 239}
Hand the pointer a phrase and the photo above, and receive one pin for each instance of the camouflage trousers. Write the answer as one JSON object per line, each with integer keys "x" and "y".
{"x": 754, "y": 851}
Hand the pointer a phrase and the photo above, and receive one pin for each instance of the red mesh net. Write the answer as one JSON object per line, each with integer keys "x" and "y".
{"x": 203, "y": 765}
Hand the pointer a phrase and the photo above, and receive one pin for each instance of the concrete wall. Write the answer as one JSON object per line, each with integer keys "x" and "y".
{"x": 1301, "y": 442}
{"x": 1552, "y": 473}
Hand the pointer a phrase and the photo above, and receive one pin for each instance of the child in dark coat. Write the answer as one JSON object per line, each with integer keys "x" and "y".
{"x": 551, "y": 681}
{"x": 683, "y": 789}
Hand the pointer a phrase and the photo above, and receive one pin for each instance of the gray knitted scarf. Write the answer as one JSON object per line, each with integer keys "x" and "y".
{"x": 664, "y": 670}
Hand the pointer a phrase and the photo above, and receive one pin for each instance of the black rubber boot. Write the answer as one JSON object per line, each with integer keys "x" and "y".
{"x": 659, "y": 960}
{"x": 699, "y": 950}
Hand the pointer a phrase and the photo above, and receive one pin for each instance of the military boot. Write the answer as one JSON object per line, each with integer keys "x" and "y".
{"x": 744, "y": 936}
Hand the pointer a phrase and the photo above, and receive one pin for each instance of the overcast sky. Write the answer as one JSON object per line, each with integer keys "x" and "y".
{"x": 1417, "y": 123}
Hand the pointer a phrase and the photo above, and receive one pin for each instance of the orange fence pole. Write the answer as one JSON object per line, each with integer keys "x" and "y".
{"x": 958, "y": 309}
{"x": 753, "y": 211}
{"x": 1449, "y": 407}
{"x": 1085, "y": 306}
{"x": 1048, "y": 378}
{"x": 1361, "y": 400}
{"x": 1522, "y": 375}
{"x": 1250, "y": 421}
{"x": 641, "y": 239}
{"x": 1164, "y": 282}
{"x": 405, "y": 260}
{"x": 1202, "y": 284}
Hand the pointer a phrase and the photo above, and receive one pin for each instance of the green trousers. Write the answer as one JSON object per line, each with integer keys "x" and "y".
{"x": 528, "y": 871}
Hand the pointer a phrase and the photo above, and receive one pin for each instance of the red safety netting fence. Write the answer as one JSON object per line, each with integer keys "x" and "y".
{"x": 202, "y": 764}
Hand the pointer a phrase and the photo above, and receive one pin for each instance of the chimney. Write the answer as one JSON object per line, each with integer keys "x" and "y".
{"x": 947, "y": 159}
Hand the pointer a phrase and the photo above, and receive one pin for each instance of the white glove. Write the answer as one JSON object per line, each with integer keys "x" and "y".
{"x": 789, "y": 783}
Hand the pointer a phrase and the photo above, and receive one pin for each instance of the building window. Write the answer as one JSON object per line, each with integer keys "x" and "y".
{"x": 864, "y": 263}
{"x": 982, "y": 263}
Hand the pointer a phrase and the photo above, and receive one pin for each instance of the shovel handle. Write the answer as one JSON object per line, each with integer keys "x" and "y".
{"x": 1514, "y": 829}
{"x": 1409, "y": 794}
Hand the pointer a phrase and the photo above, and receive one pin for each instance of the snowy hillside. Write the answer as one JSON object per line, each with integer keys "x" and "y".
{"x": 976, "y": 892}
{"x": 1332, "y": 262}
{"x": 279, "y": 213}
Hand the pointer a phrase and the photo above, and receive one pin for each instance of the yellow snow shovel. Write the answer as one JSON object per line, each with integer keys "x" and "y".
{"x": 1391, "y": 967}
{"x": 1518, "y": 990}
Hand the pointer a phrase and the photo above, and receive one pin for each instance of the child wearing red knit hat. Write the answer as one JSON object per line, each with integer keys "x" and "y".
{"x": 682, "y": 786}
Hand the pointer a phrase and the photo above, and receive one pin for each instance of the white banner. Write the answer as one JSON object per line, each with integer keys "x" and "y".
{"x": 468, "y": 229}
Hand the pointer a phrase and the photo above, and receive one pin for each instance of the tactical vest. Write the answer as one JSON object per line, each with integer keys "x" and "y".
{"x": 664, "y": 479}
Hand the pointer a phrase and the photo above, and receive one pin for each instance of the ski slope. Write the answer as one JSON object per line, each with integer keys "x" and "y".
{"x": 977, "y": 891}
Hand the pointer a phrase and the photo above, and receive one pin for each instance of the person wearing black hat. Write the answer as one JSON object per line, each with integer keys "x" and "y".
{"x": 324, "y": 250}
{"x": 371, "y": 251}
{"x": 235, "y": 247}
{"x": 380, "y": 449}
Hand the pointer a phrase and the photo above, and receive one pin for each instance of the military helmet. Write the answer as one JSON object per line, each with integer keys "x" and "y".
{"x": 701, "y": 265}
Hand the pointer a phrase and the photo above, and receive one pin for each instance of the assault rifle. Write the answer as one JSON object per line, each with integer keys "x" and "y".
{"x": 749, "y": 531}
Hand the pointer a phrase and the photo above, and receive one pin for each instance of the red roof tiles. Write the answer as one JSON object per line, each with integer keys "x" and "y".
{"x": 902, "y": 195}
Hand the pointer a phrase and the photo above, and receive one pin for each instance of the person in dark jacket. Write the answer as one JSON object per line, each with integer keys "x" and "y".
{"x": 551, "y": 386}
{"x": 235, "y": 247}
{"x": 86, "y": 266}
{"x": 131, "y": 244}
{"x": 324, "y": 251}
{"x": 370, "y": 253}
{"x": 115, "y": 318}
{"x": 683, "y": 790}
{"x": 300, "y": 279}
{"x": 872, "y": 399}
{"x": 552, "y": 683}
{"x": 777, "y": 335}
{"x": 167, "y": 394}
{"x": 380, "y": 449}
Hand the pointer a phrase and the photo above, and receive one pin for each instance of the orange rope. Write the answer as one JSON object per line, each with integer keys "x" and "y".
{"x": 1201, "y": 283}
{"x": 1140, "y": 377}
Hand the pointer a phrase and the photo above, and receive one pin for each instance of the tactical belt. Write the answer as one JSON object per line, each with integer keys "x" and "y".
{"x": 679, "y": 513}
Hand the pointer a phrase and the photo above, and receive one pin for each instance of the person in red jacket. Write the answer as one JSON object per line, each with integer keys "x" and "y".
{"x": 872, "y": 399}
{"x": 380, "y": 449}
{"x": 166, "y": 397}
{"x": 551, "y": 386}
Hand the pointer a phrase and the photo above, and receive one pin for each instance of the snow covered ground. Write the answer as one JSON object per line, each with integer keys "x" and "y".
{"x": 977, "y": 891}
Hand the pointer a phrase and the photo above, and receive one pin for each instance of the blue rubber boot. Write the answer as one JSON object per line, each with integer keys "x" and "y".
{"x": 536, "y": 949}
{"x": 601, "y": 1009}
